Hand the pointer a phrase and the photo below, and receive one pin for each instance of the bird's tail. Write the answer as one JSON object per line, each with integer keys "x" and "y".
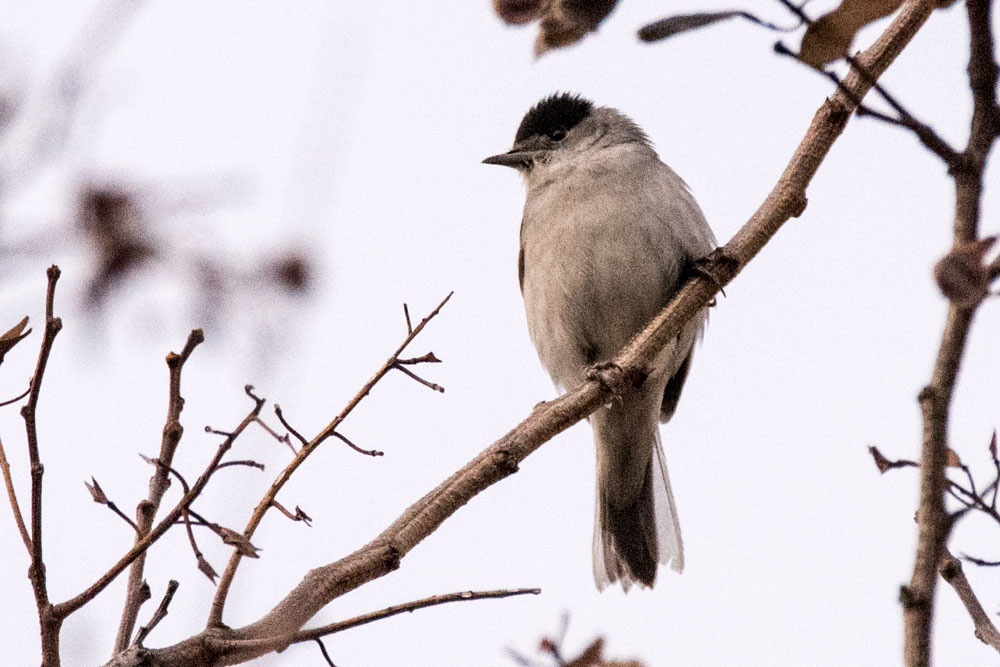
{"x": 635, "y": 526}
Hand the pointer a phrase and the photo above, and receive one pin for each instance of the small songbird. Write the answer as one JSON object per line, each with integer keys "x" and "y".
{"x": 608, "y": 235}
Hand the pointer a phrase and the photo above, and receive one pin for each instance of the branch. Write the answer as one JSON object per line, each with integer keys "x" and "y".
{"x": 935, "y": 399}
{"x": 36, "y": 572}
{"x": 12, "y": 498}
{"x": 66, "y": 608}
{"x": 434, "y": 600}
{"x": 218, "y": 604}
{"x": 951, "y": 571}
{"x": 218, "y": 645}
{"x": 158, "y": 485}
{"x": 159, "y": 614}
{"x": 16, "y": 398}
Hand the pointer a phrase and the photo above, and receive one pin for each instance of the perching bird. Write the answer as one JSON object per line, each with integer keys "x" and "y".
{"x": 607, "y": 237}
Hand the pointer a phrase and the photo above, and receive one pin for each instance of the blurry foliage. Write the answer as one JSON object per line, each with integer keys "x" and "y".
{"x": 565, "y": 22}
{"x": 561, "y": 22}
{"x": 126, "y": 229}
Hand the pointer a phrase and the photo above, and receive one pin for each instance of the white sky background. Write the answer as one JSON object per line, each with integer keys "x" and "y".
{"x": 357, "y": 134}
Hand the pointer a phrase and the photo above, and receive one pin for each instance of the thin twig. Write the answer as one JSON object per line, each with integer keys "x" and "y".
{"x": 215, "y": 615}
{"x": 326, "y": 656}
{"x": 407, "y": 371}
{"x": 100, "y": 498}
{"x": 298, "y": 515}
{"x": 288, "y": 427}
{"x": 12, "y": 498}
{"x": 980, "y": 561}
{"x": 246, "y": 463}
{"x": 368, "y": 452}
{"x": 925, "y": 133}
{"x": 274, "y": 434}
{"x": 434, "y": 600}
{"x": 16, "y": 398}
{"x": 429, "y": 358}
{"x": 159, "y": 614}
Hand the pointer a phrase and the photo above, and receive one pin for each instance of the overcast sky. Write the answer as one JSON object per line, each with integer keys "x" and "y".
{"x": 355, "y": 135}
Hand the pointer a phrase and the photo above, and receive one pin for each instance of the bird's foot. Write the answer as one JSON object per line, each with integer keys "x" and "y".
{"x": 611, "y": 376}
{"x": 708, "y": 267}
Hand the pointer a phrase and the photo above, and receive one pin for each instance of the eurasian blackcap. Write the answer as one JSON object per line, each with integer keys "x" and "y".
{"x": 607, "y": 237}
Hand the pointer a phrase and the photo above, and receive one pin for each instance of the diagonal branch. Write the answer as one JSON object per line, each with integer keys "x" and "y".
{"x": 951, "y": 571}
{"x": 434, "y": 600}
{"x": 218, "y": 645}
{"x": 786, "y": 200}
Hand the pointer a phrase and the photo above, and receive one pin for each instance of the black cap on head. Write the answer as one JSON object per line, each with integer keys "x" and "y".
{"x": 555, "y": 113}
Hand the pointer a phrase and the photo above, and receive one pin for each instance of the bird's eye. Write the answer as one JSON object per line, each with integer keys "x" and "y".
{"x": 558, "y": 134}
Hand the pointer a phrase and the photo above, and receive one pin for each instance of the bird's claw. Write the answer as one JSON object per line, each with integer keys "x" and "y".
{"x": 609, "y": 375}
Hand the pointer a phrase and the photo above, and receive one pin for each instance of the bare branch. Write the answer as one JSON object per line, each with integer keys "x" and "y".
{"x": 36, "y": 572}
{"x": 326, "y": 656}
{"x": 434, "y": 600}
{"x": 288, "y": 427}
{"x": 159, "y": 614}
{"x": 299, "y": 515}
{"x": 274, "y": 434}
{"x": 951, "y": 571}
{"x": 158, "y": 485}
{"x": 935, "y": 399}
{"x": 246, "y": 463}
{"x": 980, "y": 561}
{"x": 428, "y": 358}
{"x": 385, "y": 552}
{"x": 63, "y": 609}
{"x": 97, "y": 493}
{"x": 883, "y": 464}
{"x": 215, "y": 616}
{"x": 407, "y": 371}
{"x": 368, "y": 452}
{"x": 16, "y": 398}
{"x": 12, "y": 499}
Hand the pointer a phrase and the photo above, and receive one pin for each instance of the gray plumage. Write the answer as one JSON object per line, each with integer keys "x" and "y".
{"x": 607, "y": 236}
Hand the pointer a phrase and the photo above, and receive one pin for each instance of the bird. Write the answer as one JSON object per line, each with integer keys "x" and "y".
{"x": 609, "y": 234}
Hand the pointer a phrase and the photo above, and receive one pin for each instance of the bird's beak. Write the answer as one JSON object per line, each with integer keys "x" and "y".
{"x": 521, "y": 156}
{"x": 515, "y": 158}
